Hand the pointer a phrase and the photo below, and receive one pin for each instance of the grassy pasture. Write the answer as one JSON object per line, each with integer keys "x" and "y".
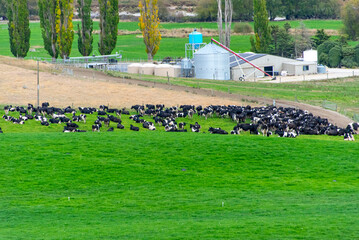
{"x": 156, "y": 185}
{"x": 132, "y": 47}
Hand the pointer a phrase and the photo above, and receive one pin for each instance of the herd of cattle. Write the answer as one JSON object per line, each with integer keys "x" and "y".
{"x": 284, "y": 122}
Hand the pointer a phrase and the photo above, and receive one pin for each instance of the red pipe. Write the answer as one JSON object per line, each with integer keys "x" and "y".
{"x": 229, "y": 50}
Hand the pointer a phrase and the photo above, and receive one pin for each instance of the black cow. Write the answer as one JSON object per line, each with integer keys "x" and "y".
{"x": 217, "y": 131}
{"x": 133, "y": 128}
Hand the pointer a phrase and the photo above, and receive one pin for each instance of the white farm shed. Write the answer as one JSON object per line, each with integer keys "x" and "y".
{"x": 273, "y": 65}
{"x": 300, "y": 68}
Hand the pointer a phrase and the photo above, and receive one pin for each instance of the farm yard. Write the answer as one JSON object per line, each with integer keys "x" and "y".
{"x": 161, "y": 184}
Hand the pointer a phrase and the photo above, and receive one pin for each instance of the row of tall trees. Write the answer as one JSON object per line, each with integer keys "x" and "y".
{"x": 290, "y": 9}
{"x": 58, "y": 31}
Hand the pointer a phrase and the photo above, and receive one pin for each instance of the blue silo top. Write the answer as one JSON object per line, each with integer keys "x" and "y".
{"x": 195, "y": 37}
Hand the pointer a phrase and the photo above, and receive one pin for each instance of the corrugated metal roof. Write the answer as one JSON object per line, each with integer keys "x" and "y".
{"x": 235, "y": 61}
{"x": 211, "y": 48}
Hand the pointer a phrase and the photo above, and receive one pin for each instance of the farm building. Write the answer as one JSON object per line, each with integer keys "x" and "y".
{"x": 273, "y": 65}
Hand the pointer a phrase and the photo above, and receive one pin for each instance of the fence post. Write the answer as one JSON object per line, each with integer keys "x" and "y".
{"x": 168, "y": 78}
{"x": 38, "y": 84}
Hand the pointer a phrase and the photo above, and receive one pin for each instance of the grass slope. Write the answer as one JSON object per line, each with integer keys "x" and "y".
{"x": 151, "y": 185}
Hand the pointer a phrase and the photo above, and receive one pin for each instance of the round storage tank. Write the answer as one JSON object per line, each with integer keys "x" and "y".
{"x": 321, "y": 69}
{"x": 212, "y": 62}
{"x": 310, "y": 56}
{"x": 162, "y": 70}
{"x": 195, "y": 37}
{"x": 147, "y": 69}
{"x": 134, "y": 68}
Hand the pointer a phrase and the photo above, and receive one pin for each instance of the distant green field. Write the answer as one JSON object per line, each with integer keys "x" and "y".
{"x": 132, "y": 47}
{"x": 152, "y": 185}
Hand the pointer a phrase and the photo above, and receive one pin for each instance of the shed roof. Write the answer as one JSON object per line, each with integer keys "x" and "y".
{"x": 249, "y": 56}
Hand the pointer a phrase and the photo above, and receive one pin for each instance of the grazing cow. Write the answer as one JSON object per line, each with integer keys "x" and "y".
{"x": 348, "y": 136}
{"x": 171, "y": 128}
{"x": 196, "y": 127}
{"x": 69, "y": 129}
{"x": 125, "y": 112}
{"x": 265, "y": 130}
{"x": 133, "y": 128}
{"x": 181, "y": 125}
{"x": 1, "y": 130}
{"x": 120, "y": 126}
{"x": 149, "y": 126}
{"x": 56, "y": 121}
{"x": 43, "y": 123}
{"x": 103, "y": 107}
{"x": 110, "y": 129}
{"x": 106, "y": 121}
{"x": 96, "y": 127}
{"x": 252, "y": 128}
{"x": 286, "y": 134}
{"x": 101, "y": 113}
{"x": 190, "y": 113}
{"x": 217, "y": 131}
{"x": 72, "y": 125}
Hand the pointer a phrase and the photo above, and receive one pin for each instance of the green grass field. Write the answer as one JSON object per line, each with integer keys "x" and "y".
{"x": 156, "y": 185}
{"x": 132, "y": 47}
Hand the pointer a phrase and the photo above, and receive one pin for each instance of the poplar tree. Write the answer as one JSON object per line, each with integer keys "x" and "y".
{"x": 64, "y": 27}
{"x": 19, "y": 29}
{"x": 47, "y": 13}
{"x": 262, "y": 37}
{"x": 85, "y": 39}
{"x": 109, "y": 19}
{"x": 149, "y": 25}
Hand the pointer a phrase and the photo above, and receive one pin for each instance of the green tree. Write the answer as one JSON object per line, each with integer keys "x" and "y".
{"x": 64, "y": 27}
{"x": 47, "y": 13}
{"x": 335, "y": 56}
{"x": 3, "y": 7}
{"x": 319, "y": 38}
{"x": 109, "y": 19}
{"x": 274, "y": 8}
{"x": 356, "y": 54}
{"x": 207, "y": 10}
{"x": 19, "y": 29}
{"x": 262, "y": 37}
{"x": 282, "y": 42}
{"x": 85, "y": 39}
{"x": 350, "y": 17}
{"x": 149, "y": 25}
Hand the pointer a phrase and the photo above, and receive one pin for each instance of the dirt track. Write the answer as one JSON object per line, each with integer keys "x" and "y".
{"x": 92, "y": 88}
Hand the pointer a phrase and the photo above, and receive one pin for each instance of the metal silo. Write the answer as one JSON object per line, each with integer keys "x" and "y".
{"x": 212, "y": 62}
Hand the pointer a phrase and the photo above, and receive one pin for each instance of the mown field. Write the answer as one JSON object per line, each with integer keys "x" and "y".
{"x": 132, "y": 47}
{"x": 157, "y": 185}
